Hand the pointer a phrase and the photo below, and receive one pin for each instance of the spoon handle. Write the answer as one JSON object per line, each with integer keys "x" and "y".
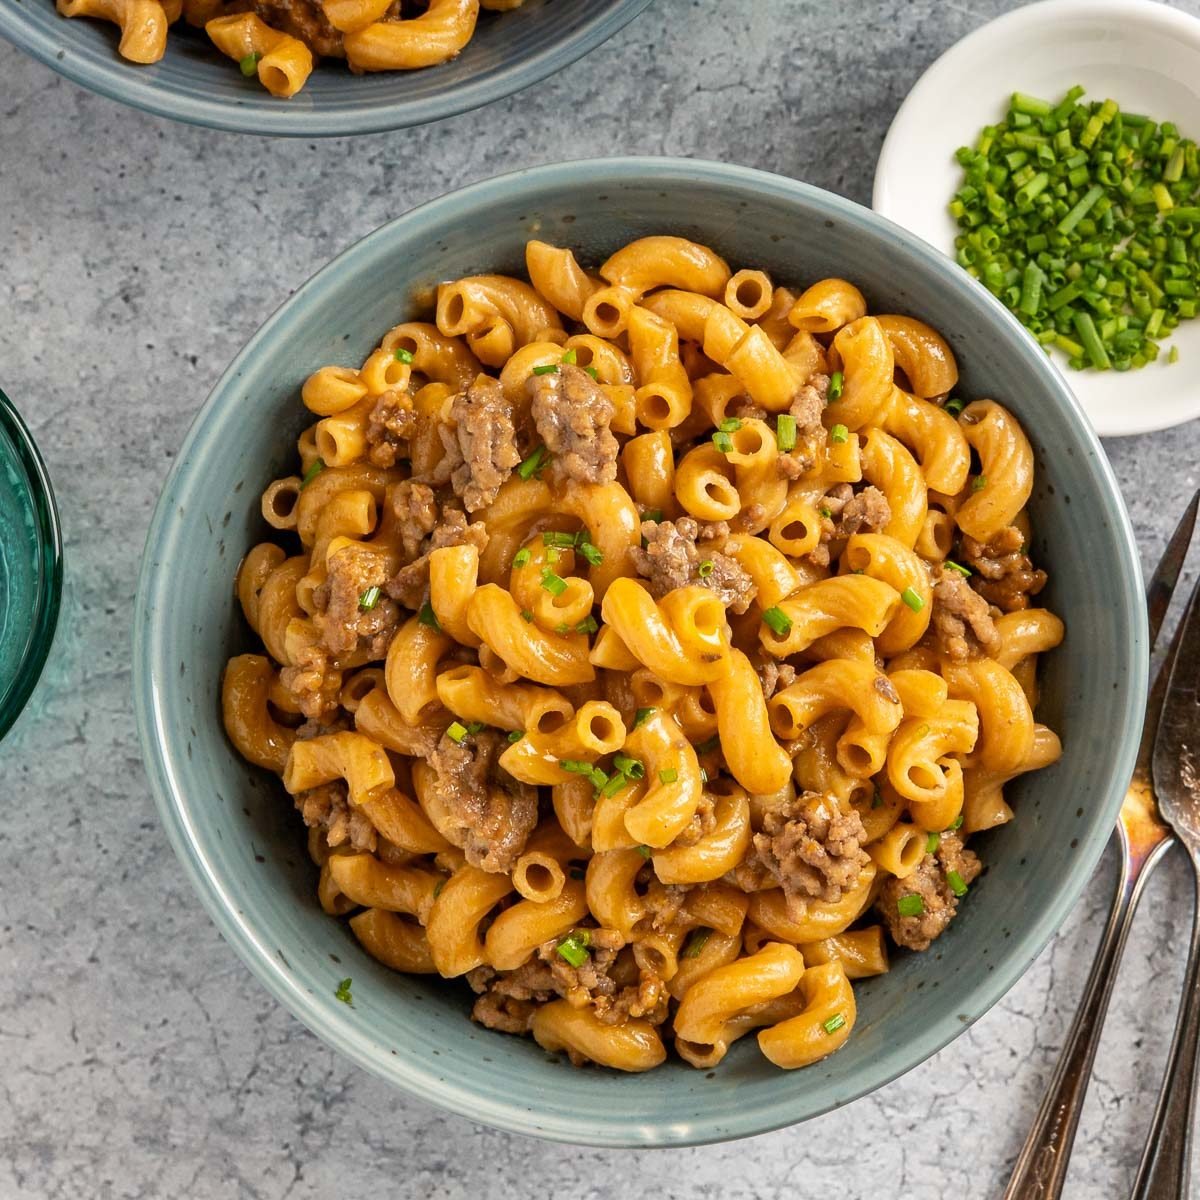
{"x": 1164, "y": 1171}
{"x": 1041, "y": 1167}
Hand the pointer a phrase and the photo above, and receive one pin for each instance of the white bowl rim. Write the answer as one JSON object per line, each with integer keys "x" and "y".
{"x": 1150, "y": 12}
{"x": 320, "y": 1013}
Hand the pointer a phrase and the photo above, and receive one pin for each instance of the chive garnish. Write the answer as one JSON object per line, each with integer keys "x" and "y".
{"x": 643, "y": 714}
{"x": 708, "y": 745}
{"x": 456, "y": 731}
{"x": 574, "y": 947}
{"x": 785, "y": 433}
{"x": 428, "y": 617}
{"x": 839, "y": 434}
{"x": 593, "y": 372}
{"x": 548, "y": 369}
{"x": 834, "y": 1023}
{"x": 729, "y": 424}
{"x": 696, "y": 941}
{"x": 956, "y": 823}
{"x": 515, "y": 735}
{"x": 249, "y": 66}
{"x": 706, "y": 568}
{"x": 957, "y": 883}
{"x": 342, "y": 991}
{"x": 978, "y": 483}
{"x": 836, "y": 383}
{"x": 592, "y": 555}
{"x": 653, "y": 514}
{"x": 404, "y": 356}
{"x": 570, "y": 358}
{"x": 522, "y": 557}
{"x": 644, "y": 851}
{"x": 910, "y": 906}
{"x": 911, "y": 597}
{"x": 555, "y": 538}
{"x": 527, "y": 616}
{"x": 313, "y": 471}
{"x": 668, "y": 775}
{"x": 954, "y": 406}
{"x": 826, "y": 512}
{"x": 722, "y": 441}
{"x": 552, "y": 583}
{"x": 931, "y": 843}
{"x": 369, "y": 599}
{"x": 587, "y": 625}
{"x": 534, "y": 463}
{"x": 778, "y": 621}
{"x": 965, "y": 572}
{"x": 634, "y": 768}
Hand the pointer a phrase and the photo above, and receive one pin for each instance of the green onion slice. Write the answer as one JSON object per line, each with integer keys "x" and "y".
{"x": 956, "y": 882}
{"x": 839, "y": 434}
{"x": 696, "y": 941}
{"x": 249, "y": 66}
{"x": 522, "y": 557}
{"x": 456, "y": 731}
{"x": 778, "y": 621}
{"x": 910, "y": 906}
{"x": 668, "y": 775}
{"x": 404, "y": 356}
{"x": 643, "y": 714}
{"x": 912, "y": 598}
{"x": 785, "y": 433}
{"x": 836, "y": 383}
{"x": 548, "y": 369}
{"x": 836, "y": 1022}
{"x": 313, "y": 471}
{"x": 574, "y": 948}
{"x": 428, "y": 617}
{"x": 552, "y": 583}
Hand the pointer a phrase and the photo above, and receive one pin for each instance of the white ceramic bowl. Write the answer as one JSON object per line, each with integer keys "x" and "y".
{"x": 1145, "y": 56}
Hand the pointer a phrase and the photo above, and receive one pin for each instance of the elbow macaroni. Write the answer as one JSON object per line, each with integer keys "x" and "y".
{"x": 557, "y": 745}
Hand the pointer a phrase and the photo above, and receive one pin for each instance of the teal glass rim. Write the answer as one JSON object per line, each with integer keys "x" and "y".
{"x": 15, "y": 694}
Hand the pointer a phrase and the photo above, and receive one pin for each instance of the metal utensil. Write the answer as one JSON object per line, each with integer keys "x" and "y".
{"x": 1142, "y": 840}
{"x": 1165, "y": 1169}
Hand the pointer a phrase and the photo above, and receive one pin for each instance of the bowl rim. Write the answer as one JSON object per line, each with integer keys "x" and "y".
{"x": 50, "y": 548}
{"x": 1026, "y": 21}
{"x": 319, "y": 1012}
{"x": 118, "y": 80}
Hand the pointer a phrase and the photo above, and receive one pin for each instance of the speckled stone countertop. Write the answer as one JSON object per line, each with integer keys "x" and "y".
{"x": 138, "y": 1058}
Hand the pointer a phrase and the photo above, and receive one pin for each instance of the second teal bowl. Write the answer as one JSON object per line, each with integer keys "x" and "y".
{"x": 236, "y": 832}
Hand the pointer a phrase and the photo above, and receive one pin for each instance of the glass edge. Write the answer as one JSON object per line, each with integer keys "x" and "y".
{"x": 49, "y": 598}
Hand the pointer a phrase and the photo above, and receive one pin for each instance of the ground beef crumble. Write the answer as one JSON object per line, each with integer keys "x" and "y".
{"x": 775, "y": 676}
{"x": 573, "y": 415}
{"x": 341, "y": 622}
{"x": 391, "y": 424}
{"x": 315, "y": 683}
{"x": 1004, "y": 575}
{"x": 671, "y": 559}
{"x": 493, "y": 815}
{"x": 328, "y": 808}
{"x": 962, "y": 625}
{"x": 812, "y": 848}
{"x": 410, "y": 585}
{"x": 303, "y": 19}
{"x": 480, "y": 443}
{"x": 844, "y": 513}
{"x": 939, "y": 903}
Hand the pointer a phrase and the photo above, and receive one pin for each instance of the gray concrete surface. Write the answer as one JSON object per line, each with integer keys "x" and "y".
{"x": 138, "y": 1058}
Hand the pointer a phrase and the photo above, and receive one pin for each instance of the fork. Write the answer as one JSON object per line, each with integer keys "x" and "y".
{"x": 1165, "y": 1169}
{"x": 1142, "y": 841}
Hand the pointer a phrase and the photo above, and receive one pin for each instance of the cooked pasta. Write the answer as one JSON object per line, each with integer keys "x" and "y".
{"x": 624, "y": 655}
{"x": 278, "y": 42}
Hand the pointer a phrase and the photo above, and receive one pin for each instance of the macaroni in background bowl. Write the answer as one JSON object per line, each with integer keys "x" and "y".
{"x": 415, "y": 1031}
{"x": 196, "y": 83}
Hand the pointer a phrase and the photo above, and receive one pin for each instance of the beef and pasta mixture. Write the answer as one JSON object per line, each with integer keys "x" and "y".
{"x": 278, "y": 42}
{"x": 644, "y": 645}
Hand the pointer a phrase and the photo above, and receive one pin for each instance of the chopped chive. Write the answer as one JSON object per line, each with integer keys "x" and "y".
{"x": 428, "y": 617}
{"x": 668, "y": 775}
{"x": 534, "y": 463}
{"x": 593, "y": 372}
{"x": 570, "y": 358}
{"x": 954, "y": 406}
{"x": 575, "y": 766}
{"x": 404, "y": 356}
{"x": 836, "y": 1022}
{"x": 1173, "y": 355}
{"x": 437, "y": 888}
{"x": 877, "y": 799}
{"x": 911, "y": 597}
{"x": 634, "y": 768}
{"x": 722, "y": 441}
{"x": 837, "y": 382}
{"x": 957, "y": 884}
{"x": 708, "y": 745}
{"x": 614, "y": 785}
{"x": 522, "y": 557}
{"x": 587, "y": 625}
{"x": 653, "y": 514}
{"x": 554, "y": 538}
{"x": 910, "y": 906}
{"x": 515, "y": 735}
{"x": 956, "y": 823}
{"x": 548, "y": 369}
{"x": 552, "y": 554}
{"x": 931, "y": 843}
{"x": 729, "y": 424}
{"x": 574, "y": 949}
{"x": 598, "y": 778}
{"x": 343, "y": 989}
{"x": 313, "y": 471}
{"x": 527, "y": 616}
{"x": 839, "y": 434}
{"x": 644, "y": 851}
{"x": 706, "y": 568}
{"x": 979, "y": 483}
{"x": 826, "y": 512}
{"x": 369, "y": 599}
{"x": 562, "y": 627}
{"x": 456, "y": 731}
{"x": 476, "y": 727}
{"x": 785, "y": 433}
{"x": 590, "y": 554}
{"x": 643, "y": 714}
{"x": 552, "y": 583}
{"x": 965, "y": 572}
{"x": 778, "y": 621}
{"x": 696, "y": 940}
{"x": 249, "y": 66}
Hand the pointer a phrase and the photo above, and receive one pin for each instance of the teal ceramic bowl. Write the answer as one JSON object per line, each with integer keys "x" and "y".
{"x": 236, "y": 832}
{"x": 196, "y": 84}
